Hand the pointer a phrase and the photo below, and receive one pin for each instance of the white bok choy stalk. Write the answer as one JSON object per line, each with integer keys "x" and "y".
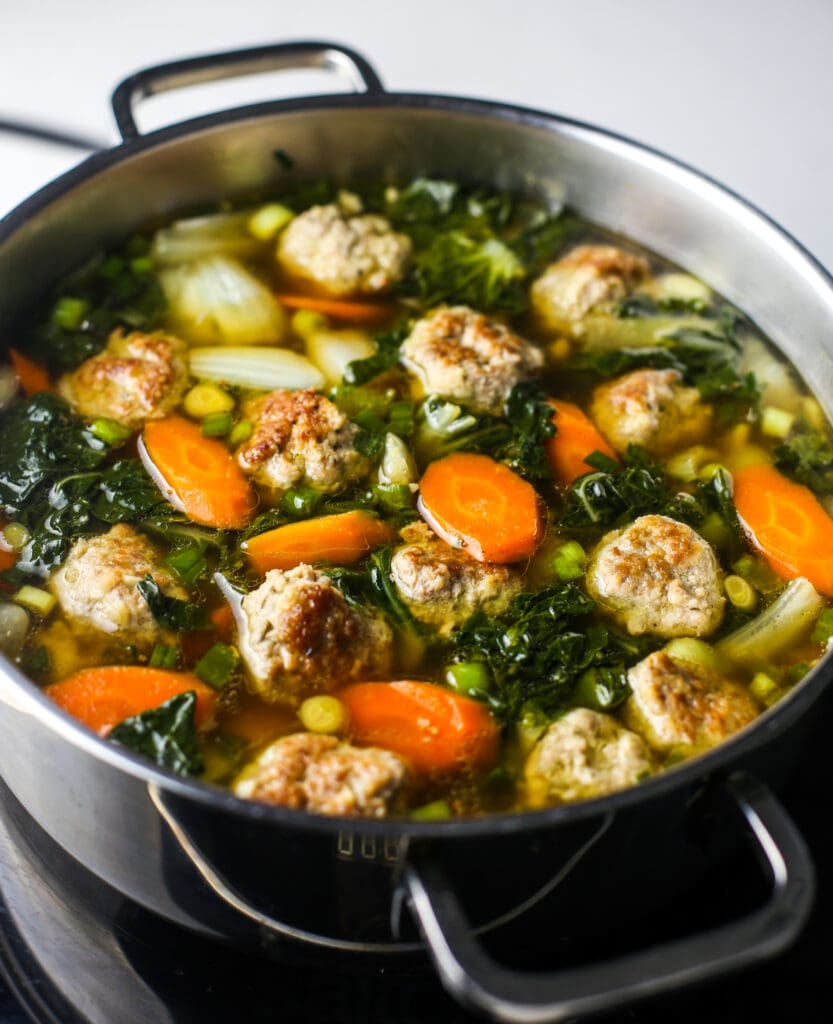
{"x": 783, "y": 623}
{"x": 332, "y": 351}
{"x": 217, "y": 301}
{"x": 195, "y": 238}
{"x": 255, "y": 366}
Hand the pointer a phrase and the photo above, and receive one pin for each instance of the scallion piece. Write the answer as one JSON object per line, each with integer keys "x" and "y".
{"x": 111, "y": 432}
{"x": 69, "y": 313}
{"x": 241, "y": 432}
{"x": 469, "y": 677}
{"x": 437, "y": 810}
{"x": 164, "y": 656}
{"x": 218, "y": 424}
{"x": 823, "y": 629}
{"x": 189, "y": 563}
{"x": 217, "y": 665}
{"x": 301, "y": 501}
{"x": 569, "y": 561}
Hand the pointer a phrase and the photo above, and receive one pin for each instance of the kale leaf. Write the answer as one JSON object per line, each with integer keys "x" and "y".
{"x": 807, "y": 456}
{"x": 371, "y": 584}
{"x": 539, "y": 648}
{"x": 385, "y": 358}
{"x": 166, "y": 734}
{"x": 171, "y": 612}
{"x": 617, "y": 493}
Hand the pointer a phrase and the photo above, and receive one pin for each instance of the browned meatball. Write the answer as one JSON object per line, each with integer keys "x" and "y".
{"x": 651, "y": 408}
{"x": 460, "y": 354}
{"x": 300, "y": 637}
{"x": 675, "y": 703}
{"x": 323, "y": 774}
{"x": 138, "y": 377}
{"x": 588, "y": 278}
{"x": 658, "y": 576}
{"x": 300, "y": 437}
{"x": 443, "y": 586}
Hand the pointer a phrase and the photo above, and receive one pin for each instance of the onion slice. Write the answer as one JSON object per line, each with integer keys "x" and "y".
{"x": 255, "y": 366}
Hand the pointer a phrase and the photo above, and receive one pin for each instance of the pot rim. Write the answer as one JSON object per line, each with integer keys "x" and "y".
{"x": 32, "y": 700}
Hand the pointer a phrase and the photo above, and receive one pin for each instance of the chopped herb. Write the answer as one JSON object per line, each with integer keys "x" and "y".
{"x": 171, "y": 612}
{"x": 807, "y": 456}
{"x": 167, "y": 735}
{"x": 218, "y": 665}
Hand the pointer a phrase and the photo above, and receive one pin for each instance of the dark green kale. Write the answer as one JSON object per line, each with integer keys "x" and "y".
{"x": 716, "y": 498}
{"x": 615, "y": 493}
{"x": 166, "y": 734}
{"x": 807, "y": 456}
{"x": 118, "y": 290}
{"x": 640, "y": 305}
{"x": 371, "y": 584}
{"x": 126, "y": 494}
{"x": 385, "y": 358}
{"x": 171, "y": 612}
{"x": 537, "y": 651}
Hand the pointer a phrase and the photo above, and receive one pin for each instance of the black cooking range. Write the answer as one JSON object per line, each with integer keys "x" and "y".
{"x": 73, "y": 951}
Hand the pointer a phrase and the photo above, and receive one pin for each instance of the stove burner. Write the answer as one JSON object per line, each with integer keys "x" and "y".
{"x": 73, "y": 951}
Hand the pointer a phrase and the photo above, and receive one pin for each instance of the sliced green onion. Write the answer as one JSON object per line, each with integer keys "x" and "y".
{"x": 601, "y": 688}
{"x": 758, "y": 573}
{"x": 694, "y": 651}
{"x": 164, "y": 656}
{"x": 301, "y": 501}
{"x": 16, "y": 536}
{"x": 111, "y": 432}
{"x": 217, "y": 665}
{"x": 323, "y": 714}
{"x": 306, "y": 323}
{"x": 189, "y": 563}
{"x": 401, "y": 418}
{"x": 741, "y": 593}
{"x": 241, "y": 432}
{"x": 206, "y": 399}
{"x": 393, "y": 497}
{"x": 110, "y": 268}
{"x": 142, "y": 265}
{"x": 469, "y": 677}
{"x": 764, "y": 688}
{"x": 569, "y": 561}
{"x": 266, "y": 222}
{"x": 36, "y": 600}
{"x": 69, "y": 313}
{"x": 823, "y": 629}
{"x": 437, "y": 810}
{"x": 218, "y": 424}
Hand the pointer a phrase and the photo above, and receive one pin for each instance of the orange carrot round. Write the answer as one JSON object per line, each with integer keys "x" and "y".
{"x": 785, "y": 521}
{"x": 478, "y": 504}
{"x": 576, "y": 437}
{"x": 342, "y": 539}
{"x": 102, "y": 697}
{"x": 33, "y": 377}
{"x": 437, "y": 730}
{"x": 199, "y": 473}
{"x": 339, "y": 309}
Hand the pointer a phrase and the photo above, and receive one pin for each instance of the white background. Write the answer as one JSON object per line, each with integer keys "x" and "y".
{"x": 741, "y": 89}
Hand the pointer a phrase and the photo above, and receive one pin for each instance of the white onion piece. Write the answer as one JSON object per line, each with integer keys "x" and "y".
{"x": 217, "y": 301}
{"x": 168, "y": 493}
{"x": 14, "y": 625}
{"x": 255, "y": 367}
{"x": 8, "y": 386}
{"x": 333, "y": 351}
{"x": 220, "y": 234}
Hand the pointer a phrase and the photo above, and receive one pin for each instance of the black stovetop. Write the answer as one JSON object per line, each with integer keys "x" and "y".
{"x": 74, "y": 952}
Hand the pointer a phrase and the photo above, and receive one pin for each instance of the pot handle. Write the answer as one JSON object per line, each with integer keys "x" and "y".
{"x": 472, "y": 977}
{"x": 234, "y": 63}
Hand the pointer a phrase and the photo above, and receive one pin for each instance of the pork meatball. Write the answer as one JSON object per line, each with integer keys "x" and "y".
{"x": 300, "y": 437}
{"x": 676, "y": 703}
{"x": 299, "y": 637}
{"x": 96, "y": 585}
{"x": 461, "y": 354}
{"x": 343, "y": 254}
{"x": 584, "y": 754}
{"x": 323, "y": 774}
{"x": 651, "y": 408}
{"x": 443, "y": 586}
{"x": 588, "y": 278}
{"x": 138, "y": 377}
{"x": 658, "y": 576}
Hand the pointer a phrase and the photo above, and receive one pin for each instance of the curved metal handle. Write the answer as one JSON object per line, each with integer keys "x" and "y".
{"x": 473, "y": 977}
{"x": 234, "y": 63}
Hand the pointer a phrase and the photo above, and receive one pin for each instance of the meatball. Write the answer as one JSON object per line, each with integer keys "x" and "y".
{"x": 300, "y": 437}
{"x": 658, "y": 576}
{"x": 300, "y": 636}
{"x": 651, "y": 408}
{"x": 323, "y": 774}
{"x": 587, "y": 278}
{"x": 676, "y": 703}
{"x": 138, "y": 377}
{"x": 461, "y": 354}
{"x": 342, "y": 254}
{"x": 584, "y": 754}
{"x": 443, "y": 586}
{"x": 96, "y": 585}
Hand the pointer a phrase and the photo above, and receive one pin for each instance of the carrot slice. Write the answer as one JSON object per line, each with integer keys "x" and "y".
{"x": 785, "y": 521}
{"x": 340, "y": 309}
{"x": 473, "y": 502}
{"x": 576, "y": 437}
{"x": 438, "y": 731}
{"x": 198, "y": 473}
{"x": 342, "y": 538}
{"x": 102, "y": 697}
{"x": 33, "y": 378}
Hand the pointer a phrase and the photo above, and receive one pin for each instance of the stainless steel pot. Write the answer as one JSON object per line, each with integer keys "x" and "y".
{"x": 247, "y": 872}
